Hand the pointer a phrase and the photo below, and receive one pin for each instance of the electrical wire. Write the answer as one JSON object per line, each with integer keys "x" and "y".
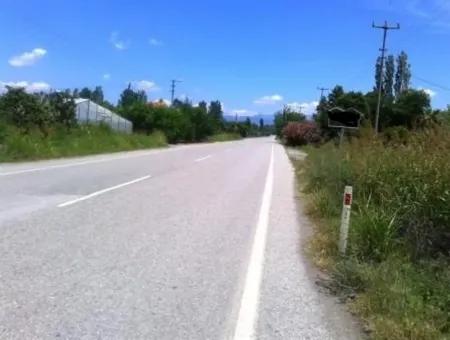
{"x": 442, "y": 87}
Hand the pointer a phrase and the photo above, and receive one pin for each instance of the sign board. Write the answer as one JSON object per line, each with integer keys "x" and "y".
{"x": 344, "y": 118}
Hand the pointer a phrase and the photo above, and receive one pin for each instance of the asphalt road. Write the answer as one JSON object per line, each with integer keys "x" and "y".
{"x": 191, "y": 242}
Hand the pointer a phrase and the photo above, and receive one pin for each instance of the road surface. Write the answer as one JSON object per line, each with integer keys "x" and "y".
{"x": 191, "y": 242}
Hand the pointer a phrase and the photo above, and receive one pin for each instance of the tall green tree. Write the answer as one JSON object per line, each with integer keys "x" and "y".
{"x": 410, "y": 109}
{"x": 284, "y": 116}
{"x": 85, "y": 93}
{"x": 261, "y": 123}
{"x": 203, "y": 106}
{"x": 403, "y": 75}
{"x": 378, "y": 74}
{"x": 321, "y": 116}
{"x": 128, "y": 97}
{"x": 215, "y": 114}
{"x": 333, "y": 97}
{"x": 388, "y": 79}
{"x": 97, "y": 95}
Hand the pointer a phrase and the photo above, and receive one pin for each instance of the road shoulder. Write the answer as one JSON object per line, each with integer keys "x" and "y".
{"x": 291, "y": 306}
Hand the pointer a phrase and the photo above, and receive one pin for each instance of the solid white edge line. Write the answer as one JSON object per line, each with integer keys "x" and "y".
{"x": 202, "y": 158}
{"x": 100, "y": 192}
{"x": 248, "y": 312}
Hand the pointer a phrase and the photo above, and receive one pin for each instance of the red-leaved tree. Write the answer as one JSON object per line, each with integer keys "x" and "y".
{"x": 295, "y": 133}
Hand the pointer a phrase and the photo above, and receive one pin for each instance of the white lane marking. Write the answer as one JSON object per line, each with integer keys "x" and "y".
{"x": 202, "y": 158}
{"x": 100, "y": 192}
{"x": 248, "y": 312}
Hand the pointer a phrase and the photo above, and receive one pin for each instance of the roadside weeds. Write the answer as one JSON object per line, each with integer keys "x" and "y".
{"x": 396, "y": 295}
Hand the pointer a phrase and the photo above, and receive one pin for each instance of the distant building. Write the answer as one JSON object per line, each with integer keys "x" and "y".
{"x": 87, "y": 111}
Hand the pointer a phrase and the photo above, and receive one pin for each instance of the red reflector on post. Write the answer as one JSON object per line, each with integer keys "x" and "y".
{"x": 347, "y": 199}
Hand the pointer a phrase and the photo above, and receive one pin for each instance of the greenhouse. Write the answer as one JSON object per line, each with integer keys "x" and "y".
{"x": 89, "y": 112}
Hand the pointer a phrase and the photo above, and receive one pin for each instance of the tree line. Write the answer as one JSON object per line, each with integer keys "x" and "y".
{"x": 402, "y": 107}
{"x": 181, "y": 121}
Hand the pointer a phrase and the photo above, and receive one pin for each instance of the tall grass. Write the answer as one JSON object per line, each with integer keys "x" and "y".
{"x": 399, "y": 242}
{"x": 224, "y": 137}
{"x": 60, "y": 142}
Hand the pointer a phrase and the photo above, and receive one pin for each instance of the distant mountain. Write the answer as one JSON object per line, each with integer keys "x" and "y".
{"x": 268, "y": 118}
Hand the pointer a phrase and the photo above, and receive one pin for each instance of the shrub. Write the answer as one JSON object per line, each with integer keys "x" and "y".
{"x": 399, "y": 238}
{"x": 79, "y": 140}
{"x": 224, "y": 136}
{"x": 396, "y": 135}
{"x": 23, "y": 110}
{"x": 302, "y": 133}
{"x": 62, "y": 107}
{"x": 406, "y": 184}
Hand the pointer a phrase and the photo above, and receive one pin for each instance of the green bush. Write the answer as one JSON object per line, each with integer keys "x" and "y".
{"x": 79, "y": 140}
{"x": 24, "y": 110}
{"x": 396, "y": 135}
{"x": 409, "y": 183}
{"x": 399, "y": 241}
{"x": 224, "y": 136}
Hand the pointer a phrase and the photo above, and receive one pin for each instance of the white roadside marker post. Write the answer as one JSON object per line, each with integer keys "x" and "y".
{"x": 345, "y": 219}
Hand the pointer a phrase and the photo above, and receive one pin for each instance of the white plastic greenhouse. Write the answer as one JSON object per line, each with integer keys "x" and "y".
{"x": 89, "y": 112}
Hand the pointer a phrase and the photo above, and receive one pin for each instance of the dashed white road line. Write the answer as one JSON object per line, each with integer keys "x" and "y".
{"x": 202, "y": 158}
{"x": 248, "y": 312}
{"x": 100, "y": 192}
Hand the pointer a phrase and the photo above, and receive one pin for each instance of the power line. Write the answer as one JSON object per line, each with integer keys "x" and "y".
{"x": 383, "y": 50}
{"x": 442, "y": 87}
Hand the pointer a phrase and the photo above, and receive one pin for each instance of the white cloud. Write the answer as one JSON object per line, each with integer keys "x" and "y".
{"x": 268, "y": 100}
{"x": 244, "y": 112}
{"x": 155, "y": 42}
{"x": 27, "y": 58}
{"x": 106, "y": 76}
{"x": 145, "y": 85}
{"x": 429, "y": 92}
{"x": 29, "y": 87}
{"x": 308, "y": 108}
{"x": 117, "y": 42}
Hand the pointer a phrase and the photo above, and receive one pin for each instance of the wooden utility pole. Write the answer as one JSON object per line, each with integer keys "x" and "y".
{"x": 383, "y": 50}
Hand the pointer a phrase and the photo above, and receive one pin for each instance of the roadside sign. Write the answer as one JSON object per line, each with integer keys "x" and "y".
{"x": 344, "y": 118}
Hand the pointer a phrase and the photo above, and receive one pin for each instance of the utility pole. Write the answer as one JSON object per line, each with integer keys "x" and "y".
{"x": 322, "y": 90}
{"x": 383, "y": 50}
{"x": 174, "y": 84}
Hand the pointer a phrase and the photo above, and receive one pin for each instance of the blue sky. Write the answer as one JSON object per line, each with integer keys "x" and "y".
{"x": 253, "y": 55}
